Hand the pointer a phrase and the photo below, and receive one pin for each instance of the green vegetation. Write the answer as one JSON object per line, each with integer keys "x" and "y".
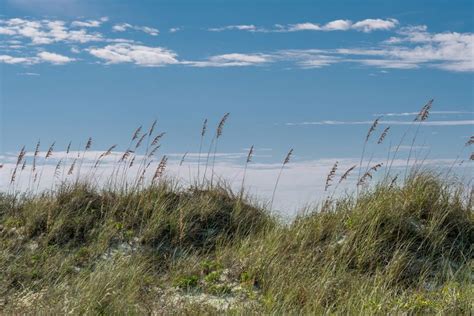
{"x": 166, "y": 250}
{"x": 153, "y": 247}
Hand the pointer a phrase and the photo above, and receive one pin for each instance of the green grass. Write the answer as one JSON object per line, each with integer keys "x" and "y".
{"x": 166, "y": 250}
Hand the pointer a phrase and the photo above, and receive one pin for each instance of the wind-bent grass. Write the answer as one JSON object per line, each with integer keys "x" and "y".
{"x": 156, "y": 247}
{"x": 86, "y": 250}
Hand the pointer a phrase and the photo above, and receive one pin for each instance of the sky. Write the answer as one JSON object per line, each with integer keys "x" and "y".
{"x": 306, "y": 75}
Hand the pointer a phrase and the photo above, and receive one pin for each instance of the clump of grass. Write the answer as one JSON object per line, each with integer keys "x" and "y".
{"x": 160, "y": 248}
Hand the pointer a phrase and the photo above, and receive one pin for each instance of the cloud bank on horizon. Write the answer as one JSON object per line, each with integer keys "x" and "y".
{"x": 27, "y": 42}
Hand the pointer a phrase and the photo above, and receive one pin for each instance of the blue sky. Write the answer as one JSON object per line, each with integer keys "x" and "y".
{"x": 302, "y": 74}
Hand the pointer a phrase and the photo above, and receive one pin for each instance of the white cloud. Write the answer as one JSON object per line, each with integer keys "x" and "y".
{"x": 414, "y": 114}
{"x": 232, "y": 60}
{"x": 48, "y": 57}
{"x": 240, "y": 27}
{"x": 43, "y": 32}
{"x": 369, "y": 25}
{"x": 122, "y": 27}
{"x": 174, "y": 29}
{"x": 17, "y": 60}
{"x": 424, "y": 123}
{"x": 28, "y": 74}
{"x": 137, "y": 54}
{"x": 53, "y": 58}
{"x": 89, "y": 23}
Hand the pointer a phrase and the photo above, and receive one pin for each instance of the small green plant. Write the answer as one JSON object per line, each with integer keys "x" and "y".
{"x": 186, "y": 282}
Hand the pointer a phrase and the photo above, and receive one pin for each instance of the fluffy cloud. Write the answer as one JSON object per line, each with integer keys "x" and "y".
{"x": 415, "y": 47}
{"x": 52, "y": 58}
{"x": 425, "y": 123}
{"x": 89, "y": 23}
{"x": 125, "y": 26}
{"x": 7, "y": 59}
{"x": 46, "y": 31}
{"x": 232, "y": 60}
{"x": 240, "y": 27}
{"x": 367, "y": 25}
{"x": 137, "y": 54}
{"x": 55, "y": 58}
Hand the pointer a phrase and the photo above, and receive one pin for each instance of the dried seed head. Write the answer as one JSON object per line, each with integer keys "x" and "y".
{"x": 153, "y": 151}
{"x": 331, "y": 176}
{"x": 249, "y": 155}
{"x": 220, "y": 127}
{"x": 49, "y": 153}
{"x": 204, "y": 128}
{"x": 37, "y": 149}
{"x": 68, "y": 149}
{"x": 109, "y": 151}
{"x": 132, "y": 161}
{"x": 383, "y": 135}
{"x": 152, "y": 128}
{"x": 71, "y": 169}
{"x": 140, "y": 141}
{"x": 346, "y": 174}
{"x": 157, "y": 138}
{"x": 104, "y": 154}
{"x": 160, "y": 169}
{"x": 21, "y": 155}
{"x": 372, "y": 128}
{"x": 23, "y": 167}
{"x": 126, "y": 154}
{"x": 470, "y": 141}
{"x": 182, "y": 159}
{"x": 136, "y": 134}
{"x": 288, "y": 157}
{"x": 57, "y": 169}
{"x": 425, "y": 111}
{"x": 12, "y": 179}
{"x": 89, "y": 143}
{"x": 368, "y": 174}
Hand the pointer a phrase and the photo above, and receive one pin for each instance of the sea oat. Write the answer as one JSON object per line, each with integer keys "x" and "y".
{"x": 157, "y": 138}
{"x": 204, "y": 128}
{"x": 249, "y": 155}
{"x": 126, "y": 154}
{"x": 160, "y": 169}
{"x": 49, "y": 153}
{"x": 153, "y": 151}
{"x": 20, "y": 156}
{"x": 182, "y": 159}
{"x": 89, "y": 144}
{"x": 346, "y": 174}
{"x": 139, "y": 142}
{"x": 383, "y": 135}
{"x": 57, "y": 169}
{"x": 425, "y": 111}
{"x": 372, "y": 128}
{"x": 288, "y": 157}
{"x": 470, "y": 141}
{"x": 71, "y": 169}
{"x": 35, "y": 156}
{"x": 368, "y": 174}
{"x": 220, "y": 127}
{"x": 152, "y": 128}
{"x": 136, "y": 134}
{"x": 330, "y": 176}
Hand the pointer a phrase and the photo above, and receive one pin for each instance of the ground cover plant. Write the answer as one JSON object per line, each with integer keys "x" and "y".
{"x": 400, "y": 244}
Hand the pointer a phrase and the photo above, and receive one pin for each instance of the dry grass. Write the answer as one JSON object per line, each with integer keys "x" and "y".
{"x": 152, "y": 246}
